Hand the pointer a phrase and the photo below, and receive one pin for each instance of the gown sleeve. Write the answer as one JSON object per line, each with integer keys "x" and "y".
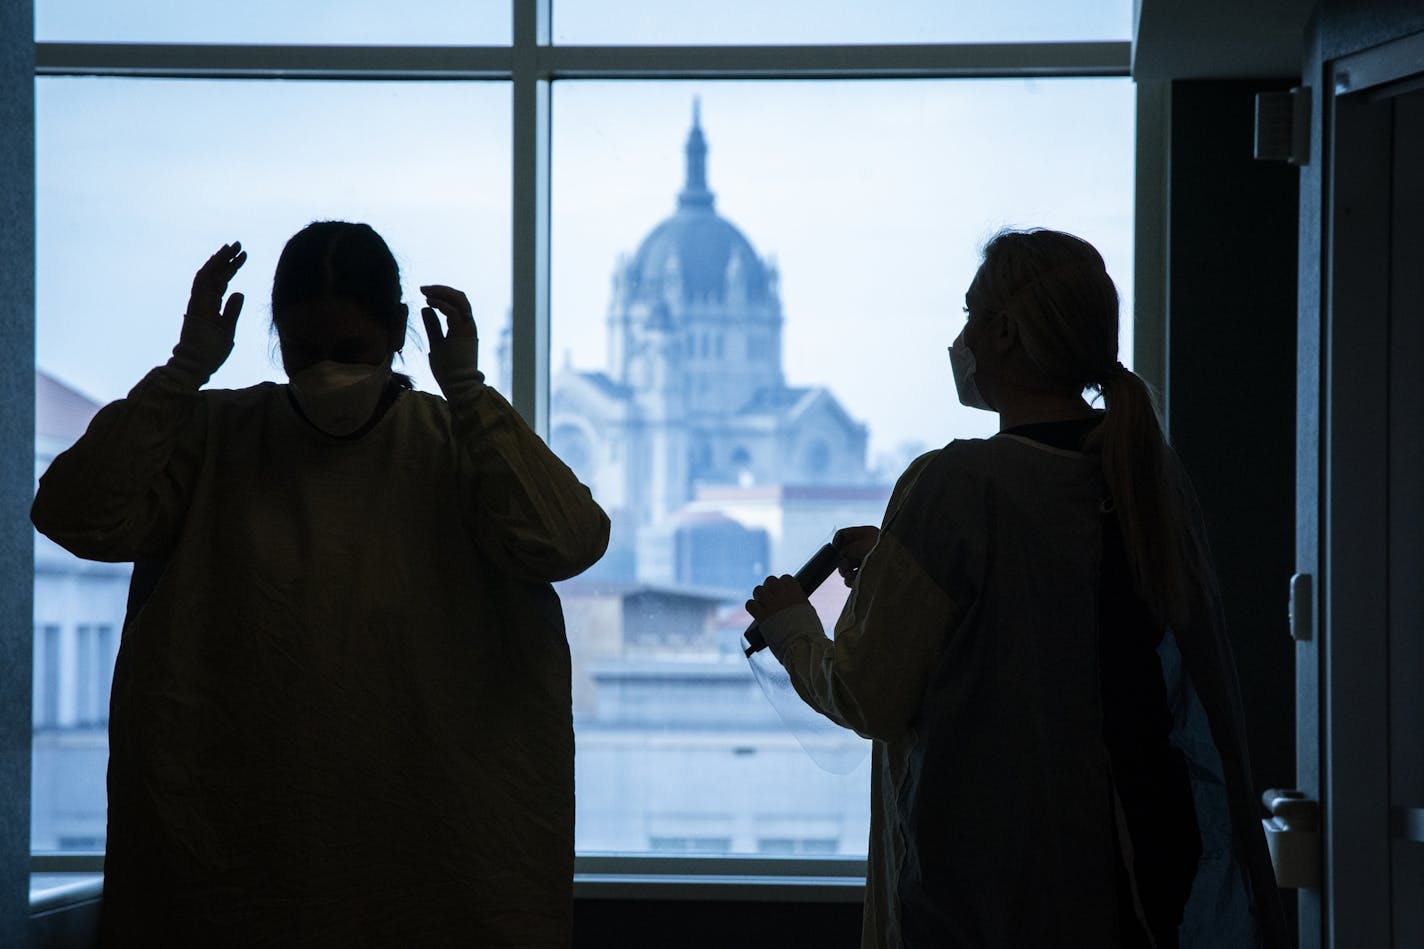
{"x": 872, "y": 677}
{"x": 526, "y": 508}
{"x": 120, "y": 493}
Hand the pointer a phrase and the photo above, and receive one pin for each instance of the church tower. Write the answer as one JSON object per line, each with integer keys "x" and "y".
{"x": 697, "y": 294}
{"x": 693, "y": 399}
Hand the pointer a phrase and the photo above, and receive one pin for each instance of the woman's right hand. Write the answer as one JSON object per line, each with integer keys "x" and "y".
{"x": 853, "y": 543}
{"x": 209, "y": 325}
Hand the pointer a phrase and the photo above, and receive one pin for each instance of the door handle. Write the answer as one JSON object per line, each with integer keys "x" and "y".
{"x": 1293, "y": 837}
{"x": 1302, "y": 608}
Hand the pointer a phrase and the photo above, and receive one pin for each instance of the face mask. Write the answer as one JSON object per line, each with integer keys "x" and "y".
{"x": 961, "y": 361}
{"x": 339, "y": 397}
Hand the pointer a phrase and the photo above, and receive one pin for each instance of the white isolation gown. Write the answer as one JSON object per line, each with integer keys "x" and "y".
{"x": 341, "y": 708}
{"x": 967, "y": 650}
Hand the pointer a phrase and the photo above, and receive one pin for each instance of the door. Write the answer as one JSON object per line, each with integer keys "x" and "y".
{"x": 1360, "y": 506}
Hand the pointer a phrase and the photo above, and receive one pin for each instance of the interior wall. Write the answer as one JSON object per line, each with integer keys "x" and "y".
{"x": 657, "y": 924}
{"x": 17, "y": 438}
{"x": 1232, "y": 228}
{"x": 603, "y": 924}
{"x": 1348, "y": 26}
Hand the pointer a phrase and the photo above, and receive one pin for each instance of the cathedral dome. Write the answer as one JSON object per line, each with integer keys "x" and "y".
{"x": 696, "y": 255}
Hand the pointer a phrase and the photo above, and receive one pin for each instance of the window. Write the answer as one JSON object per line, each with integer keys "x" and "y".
{"x": 86, "y": 674}
{"x": 793, "y": 845}
{"x": 47, "y": 662}
{"x": 847, "y": 191}
{"x": 94, "y": 662}
{"x": 832, "y": 224}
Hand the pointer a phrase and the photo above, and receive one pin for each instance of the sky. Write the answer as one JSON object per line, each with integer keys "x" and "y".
{"x": 140, "y": 180}
{"x": 872, "y": 197}
{"x": 488, "y": 22}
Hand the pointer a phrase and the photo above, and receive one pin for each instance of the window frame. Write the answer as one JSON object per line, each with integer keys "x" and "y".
{"x": 531, "y": 63}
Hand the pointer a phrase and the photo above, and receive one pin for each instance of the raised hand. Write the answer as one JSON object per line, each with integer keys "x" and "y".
{"x": 209, "y": 324}
{"x": 456, "y": 307}
{"x": 210, "y": 283}
{"x": 457, "y": 347}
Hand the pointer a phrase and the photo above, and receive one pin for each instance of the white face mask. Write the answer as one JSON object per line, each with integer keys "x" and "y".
{"x": 961, "y": 361}
{"x": 339, "y": 397}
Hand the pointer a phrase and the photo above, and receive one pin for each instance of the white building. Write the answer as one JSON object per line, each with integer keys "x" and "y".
{"x": 79, "y": 611}
{"x": 693, "y": 399}
{"x": 715, "y": 472}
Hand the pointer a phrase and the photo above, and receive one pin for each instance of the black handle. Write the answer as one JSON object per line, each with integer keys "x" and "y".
{"x": 811, "y": 575}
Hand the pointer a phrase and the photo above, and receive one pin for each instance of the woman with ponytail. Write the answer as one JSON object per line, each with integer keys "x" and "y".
{"x": 1035, "y": 643}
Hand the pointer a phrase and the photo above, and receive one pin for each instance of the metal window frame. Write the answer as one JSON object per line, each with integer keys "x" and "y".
{"x": 531, "y": 63}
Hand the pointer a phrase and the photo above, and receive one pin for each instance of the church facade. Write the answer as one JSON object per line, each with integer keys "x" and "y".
{"x": 693, "y": 424}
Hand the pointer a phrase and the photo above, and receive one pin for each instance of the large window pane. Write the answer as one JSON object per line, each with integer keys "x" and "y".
{"x": 138, "y": 182}
{"x": 754, "y": 285}
{"x": 438, "y": 22}
{"x": 840, "y": 21}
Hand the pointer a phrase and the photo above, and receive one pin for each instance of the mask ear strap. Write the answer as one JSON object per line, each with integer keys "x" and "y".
{"x": 399, "y": 329}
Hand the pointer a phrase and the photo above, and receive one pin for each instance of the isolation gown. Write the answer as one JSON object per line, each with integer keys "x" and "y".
{"x": 341, "y": 706}
{"x": 968, "y": 651}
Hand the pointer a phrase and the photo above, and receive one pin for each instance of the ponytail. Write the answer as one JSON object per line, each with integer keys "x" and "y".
{"x": 1142, "y": 482}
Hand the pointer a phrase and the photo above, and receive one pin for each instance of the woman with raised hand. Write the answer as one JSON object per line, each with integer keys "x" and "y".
{"x": 340, "y": 713}
{"x": 1034, "y": 640}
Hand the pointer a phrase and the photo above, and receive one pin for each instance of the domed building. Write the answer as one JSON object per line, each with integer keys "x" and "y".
{"x": 694, "y": 401}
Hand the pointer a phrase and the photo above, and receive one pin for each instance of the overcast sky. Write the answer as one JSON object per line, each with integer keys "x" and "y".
{"x": 488, "y": 22}
{"x": 872, "y": 197}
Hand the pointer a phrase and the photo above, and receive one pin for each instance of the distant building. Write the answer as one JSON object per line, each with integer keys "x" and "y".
{"x": 715, "y": 472}
{"x": 694, "y": 398}
{"x": 79, "y": 611}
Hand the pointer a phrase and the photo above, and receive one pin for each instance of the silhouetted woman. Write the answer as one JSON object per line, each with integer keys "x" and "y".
{"x": 1039, "y": 781}
{"x": 340, "y": 712}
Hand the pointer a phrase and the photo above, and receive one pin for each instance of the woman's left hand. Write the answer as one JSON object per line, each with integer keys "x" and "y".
{"x": 774, "y": 595}
{"x": 460, "y": 323}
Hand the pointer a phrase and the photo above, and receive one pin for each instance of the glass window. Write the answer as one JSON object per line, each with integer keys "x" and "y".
{"x": 439, "y": 22}
{"x": 46, "y": 684}
{"x": 138, "y": 182}
{"x": 86, "y": 675}
{"x": 108, "y": 652}
{"x": 753, "y": 287}
{"x": 788, "y": 22}
{"x": 830, "y": 229}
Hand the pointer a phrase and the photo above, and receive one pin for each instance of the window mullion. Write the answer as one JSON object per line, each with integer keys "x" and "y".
{"x": 254, "y": 61}
{"x": 530, "y": 181}
{"x": 273, "y": 61}
{"x": 927, "y": 61}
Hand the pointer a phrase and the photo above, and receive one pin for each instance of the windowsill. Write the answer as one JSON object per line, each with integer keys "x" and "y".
{"x": 711, "y": 887}
{"x": 51, "y": 892}
{"x": 726, "y": 878}
{"x": 717, "y": 879}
